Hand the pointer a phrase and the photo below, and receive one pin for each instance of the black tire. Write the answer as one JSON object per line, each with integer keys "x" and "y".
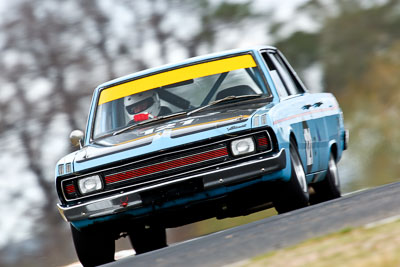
{"x": 148, "y": 238}
{"x": 329, "y": 188}
{"x": 293, "y": 194}
{"x": 93, "y": 248}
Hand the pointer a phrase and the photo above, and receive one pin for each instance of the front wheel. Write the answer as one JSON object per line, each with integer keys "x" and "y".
{"x": 329, "y": 188}
{"x": 293, "y": 194}
{"x": 93, "y": 248}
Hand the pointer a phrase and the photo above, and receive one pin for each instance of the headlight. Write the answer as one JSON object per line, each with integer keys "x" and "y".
{"x": 90, "y": 184}
{"x": 242, "y": 146}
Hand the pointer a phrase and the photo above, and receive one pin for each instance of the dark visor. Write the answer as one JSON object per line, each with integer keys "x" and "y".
{"x": 140, "y": 106}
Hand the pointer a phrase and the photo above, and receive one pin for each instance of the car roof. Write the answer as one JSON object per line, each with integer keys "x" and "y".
{"x": 180, "y": 63}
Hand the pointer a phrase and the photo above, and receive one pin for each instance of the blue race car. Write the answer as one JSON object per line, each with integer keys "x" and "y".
{"x": 220, "y": 135}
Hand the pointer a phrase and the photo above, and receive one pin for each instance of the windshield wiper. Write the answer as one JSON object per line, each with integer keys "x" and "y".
{"x": 166, "y": 117}
{"x": 225, "y": 99}
{"x": 160, "y": 118}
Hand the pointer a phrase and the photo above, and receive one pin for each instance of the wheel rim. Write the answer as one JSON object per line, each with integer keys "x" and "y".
{"x": 334, "y": 171}
{"x": 300, "y": 174}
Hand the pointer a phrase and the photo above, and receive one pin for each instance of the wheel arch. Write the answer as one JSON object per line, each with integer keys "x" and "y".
{"x": 292, "y": 137}
{"x": 285, "y": 137}
{"x": 333, "y": 148}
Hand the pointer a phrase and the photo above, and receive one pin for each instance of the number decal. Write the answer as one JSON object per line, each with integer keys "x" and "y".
{"x": 309, "y": 150}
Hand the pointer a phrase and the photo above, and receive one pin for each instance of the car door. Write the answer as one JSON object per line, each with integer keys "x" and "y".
{"x": 325, "y": 113}
{"x": 318, "y": 104}
{"x": 296, "y": 108}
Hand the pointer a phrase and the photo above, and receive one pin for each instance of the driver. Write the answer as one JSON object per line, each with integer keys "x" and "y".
{"x": 142, "y": 106}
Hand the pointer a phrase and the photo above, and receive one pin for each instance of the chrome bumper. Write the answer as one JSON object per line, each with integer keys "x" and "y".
{"x": 222, "y": 176}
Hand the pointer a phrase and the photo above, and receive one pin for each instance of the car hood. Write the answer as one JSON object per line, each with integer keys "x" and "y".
{"x": 178, "y": 131}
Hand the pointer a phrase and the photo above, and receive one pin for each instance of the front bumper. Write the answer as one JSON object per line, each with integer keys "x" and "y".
{"x": 218, "y": 177}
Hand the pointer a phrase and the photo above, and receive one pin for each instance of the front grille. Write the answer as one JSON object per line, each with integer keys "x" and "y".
{"x": 167, "y": 166}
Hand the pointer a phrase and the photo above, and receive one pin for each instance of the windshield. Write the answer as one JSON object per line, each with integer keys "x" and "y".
{"x": 175, "y": 91}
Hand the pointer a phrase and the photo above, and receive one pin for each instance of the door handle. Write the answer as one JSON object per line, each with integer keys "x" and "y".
{"x": 306, "y": 106}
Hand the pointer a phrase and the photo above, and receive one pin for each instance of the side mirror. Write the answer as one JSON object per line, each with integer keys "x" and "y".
{"x": 76, "y": 138}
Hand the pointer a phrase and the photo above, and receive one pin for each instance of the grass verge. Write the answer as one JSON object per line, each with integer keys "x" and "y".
{"x": 371, "y": 246}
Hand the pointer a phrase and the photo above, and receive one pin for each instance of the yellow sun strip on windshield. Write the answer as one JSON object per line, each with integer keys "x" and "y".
{"x": 176, "y": 76}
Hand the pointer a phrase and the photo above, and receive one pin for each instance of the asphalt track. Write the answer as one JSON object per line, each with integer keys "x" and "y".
{"x": 246, "y": 241}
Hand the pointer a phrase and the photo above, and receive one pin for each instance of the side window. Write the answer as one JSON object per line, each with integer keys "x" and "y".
{"x": 290, "y": 85}
{"x": 293, "y": 84}
{"x": 276, "y": 78}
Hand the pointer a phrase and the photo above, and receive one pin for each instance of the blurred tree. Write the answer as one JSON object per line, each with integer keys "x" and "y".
{"x": 352, "y": 38}
{"x": 213, "y": 19}
{"x": 41, "y": 54}
{"x": 357, "y": 45}
{"x": 301, "y": 48}
{"x": 374, "y": 102}
{"x": 99, "y": 41}
{"x": 351, "y": 32}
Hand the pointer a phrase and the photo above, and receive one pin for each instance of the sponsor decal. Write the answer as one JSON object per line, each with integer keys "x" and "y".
{"x": 309, "y": 146}
{"x": 161, "y": 128}
{"x": 236, "y": 127}
{"x": 180, "y": 128}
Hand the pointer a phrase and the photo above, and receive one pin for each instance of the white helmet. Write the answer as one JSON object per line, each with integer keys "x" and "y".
{"x": 146, "y": 102}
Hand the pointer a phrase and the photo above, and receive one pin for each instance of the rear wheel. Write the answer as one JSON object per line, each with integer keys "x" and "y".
{"x": 148, "y": 238}
{"x": 293, "y": 194}
{"x": 329, "y": 188}
{"x": 93, "y": 248}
